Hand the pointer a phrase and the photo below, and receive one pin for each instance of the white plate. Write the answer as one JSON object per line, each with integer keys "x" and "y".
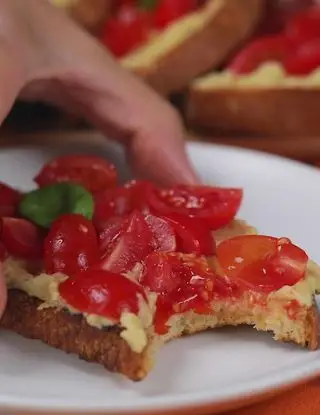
{"x": 282, "y": 198}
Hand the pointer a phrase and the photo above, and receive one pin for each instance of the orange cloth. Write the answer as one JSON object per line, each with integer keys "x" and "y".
{"x": 303, "y": 400}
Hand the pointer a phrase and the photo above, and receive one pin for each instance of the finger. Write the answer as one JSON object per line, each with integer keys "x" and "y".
{"x": 11, "y": 79}
{"x": 161, "y": 155}
{"x": 139, "y": 118}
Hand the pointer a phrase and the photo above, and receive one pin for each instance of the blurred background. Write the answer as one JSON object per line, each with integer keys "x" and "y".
{"x": 278, "y": 112}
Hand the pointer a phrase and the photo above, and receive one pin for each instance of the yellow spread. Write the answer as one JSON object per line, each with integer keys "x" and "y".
{"x": 45, "y": 288}
{"x": 168, "y": 40}
{"x": 268, "y": 75}
{"x": 64, "y": 3}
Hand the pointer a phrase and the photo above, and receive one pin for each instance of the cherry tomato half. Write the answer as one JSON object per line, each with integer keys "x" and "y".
{"x": 262, "y": 262}
{"x": 193, "y": 235}
{"x": 93, "y": 173}
{"x": 71, "y": 245}
{"x": 267, "y": 48}
{"x": 215, "y": 206}
{"x": 119, "y": 201}
{"x": 168, "y": 11}
{"x": 21, "y": 238}
{"x": 304, "y": 59}
{"x": 128, "y": 29}
{"x": 102, "y": 293}
{"x": 9, "y": 200}
{"x": 129, "y": 247}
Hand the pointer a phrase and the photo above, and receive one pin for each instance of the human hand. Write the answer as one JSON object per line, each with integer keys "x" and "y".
{"x": 46, "y": 57}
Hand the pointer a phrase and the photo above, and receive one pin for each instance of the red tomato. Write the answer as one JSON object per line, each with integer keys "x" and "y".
{"x": 193, "y": 235}
{"x": 21, "y": 238}
{"x": 131, "y": 246}
{"x": 259, "y": 51}
{"x": 216, "y": 206}
{"x": 127, "y": 30}
{"x": 3, "y": 252}
{"x": 119, "y": 201}
{"x": 71, "y": 245}
{"x": 94, "y": 173}
{"x": 262, "y": 262}
{"x": 304, "y": 26}
{"x": 102, "y": 293}
{"x": 183, "y": 283}
{"x": 163, "y": 235}
{"x": 168, "y": 11}
{"x": 9, "y": 200}
{"x": 278, "y": 12}
{"x": 110, "y": 234}
{"x": 305, "y": 59}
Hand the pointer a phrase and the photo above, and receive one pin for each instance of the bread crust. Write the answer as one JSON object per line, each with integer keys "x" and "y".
{"x": 207, "y": 48}
{"x": 71, "y": 333}
{"x": 273, "y": 111}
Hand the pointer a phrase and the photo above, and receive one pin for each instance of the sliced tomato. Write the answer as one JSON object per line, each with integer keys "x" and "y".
{"x": 304, "y": 26}
{"x": 71, "y": 245}
{"x": 94, "y": 173}
{"x": 120, "y": 201}
{"x": 267, "y": 48}
{"x": 128, "y": 29}
{"x": 262, "y": 262}
{"x": 304, "y": 59}
{"x": 183, "y": 283}
{"x": 192, "y": 234}
{"x": 163, "y": 235}
{"x": 131, "y": 246}
{"x": 168, "y": 11}
{"x": 215, "y": 206}
{"x": 110, "y": 234}
{"x": 102, "y": 293}
{"x": 9, "y": 200}
{"x": 21, "y": 238}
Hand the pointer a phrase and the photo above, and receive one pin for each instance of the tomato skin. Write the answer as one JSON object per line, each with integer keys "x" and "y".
{"x": 93, "y": 173}
{"x": 102, "y": 293}
{"x": 21, "y": 238}
{"x": 128, "y": 29}
{"x": 215, "y": 206}
{"x": 304, "y": 26}
{"x": 304, "y": 59}
{"x": 163, "y": 235}
{"x": 71, "y": 245}
{"x": 168, "y": 11}
{"x": 262, "y": 263}
{"x": 131, "y": 246}
{"x": 193, "y": 235}
{"x": 120, "y": 201}
{"x": 260, "y": 50}
{"x": 9, "y": 200}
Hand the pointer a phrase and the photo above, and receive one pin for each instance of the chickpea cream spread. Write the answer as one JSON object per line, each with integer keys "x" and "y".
{"x": 45, "y": 288}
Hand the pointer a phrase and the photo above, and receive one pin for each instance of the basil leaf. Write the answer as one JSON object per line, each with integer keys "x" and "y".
{"x": 147, "y": 4}
{"x": 43, "y": 206}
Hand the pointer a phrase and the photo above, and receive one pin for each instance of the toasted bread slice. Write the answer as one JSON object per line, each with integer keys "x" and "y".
{"x": 289, "y": 313}
{"x": 266, "y": 102}
{"x": 194, "y": 44}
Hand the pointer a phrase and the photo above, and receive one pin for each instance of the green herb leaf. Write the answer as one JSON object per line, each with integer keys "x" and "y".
{"x": 43, "y": 206}
{"x": 147, "y": 4}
